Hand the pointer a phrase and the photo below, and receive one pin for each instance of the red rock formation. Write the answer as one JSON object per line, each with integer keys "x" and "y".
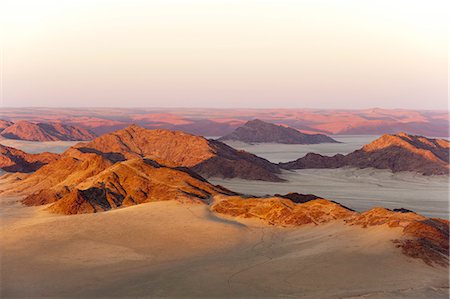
{"x": 281, "y": 211}
{"x": 401, "y": 152}
{"x": 174, "y": 148}
{"x": 24, "y": 130}
{"x": 14, "y": 160}
{"x": 56, "y": 179}
{"x": 134, "y": 182}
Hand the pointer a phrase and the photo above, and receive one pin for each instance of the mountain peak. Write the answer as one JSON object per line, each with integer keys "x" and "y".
{"x": 256, "y": 121}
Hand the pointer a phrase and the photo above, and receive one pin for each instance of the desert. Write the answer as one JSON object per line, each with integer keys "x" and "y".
{"x": 119, "y": 217}
{"x": 224, "y": 149}
{"x": 163, "y": 249}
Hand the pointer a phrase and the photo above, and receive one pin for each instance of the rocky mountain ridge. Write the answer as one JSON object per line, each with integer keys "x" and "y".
{"x": 175, "y": 148}
{"x": 399, "y": 152}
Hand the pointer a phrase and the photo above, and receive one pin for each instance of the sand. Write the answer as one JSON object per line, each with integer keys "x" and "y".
{"x": 168, "y": 249}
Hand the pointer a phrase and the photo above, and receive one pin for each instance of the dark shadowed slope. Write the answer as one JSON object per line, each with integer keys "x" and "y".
{"x": 14, "y": 160}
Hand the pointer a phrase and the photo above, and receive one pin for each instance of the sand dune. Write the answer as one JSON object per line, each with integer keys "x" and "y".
{"x": 168, "y": 249}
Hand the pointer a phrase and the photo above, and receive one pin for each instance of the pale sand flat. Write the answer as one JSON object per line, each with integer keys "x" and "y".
{"x": 167, "y": 249}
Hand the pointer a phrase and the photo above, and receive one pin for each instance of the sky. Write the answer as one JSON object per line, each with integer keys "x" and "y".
{"x": 254, "y": 54}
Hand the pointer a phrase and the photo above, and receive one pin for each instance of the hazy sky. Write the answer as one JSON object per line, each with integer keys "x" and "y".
{"x": 318, "y": 54}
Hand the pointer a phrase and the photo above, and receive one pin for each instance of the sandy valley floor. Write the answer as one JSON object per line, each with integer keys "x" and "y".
{"x": 167, "y": 249}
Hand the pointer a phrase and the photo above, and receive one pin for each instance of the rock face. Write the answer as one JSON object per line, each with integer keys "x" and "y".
{"x": 14, "y": 160}
{"x": 260, "y": 131}
{"x": 173, "y": 148}
{"x": 58, "y": 178}
{"x": 24, "y": 130}
{"x": 400, "y": 152}
{"x": 134, "y": 182}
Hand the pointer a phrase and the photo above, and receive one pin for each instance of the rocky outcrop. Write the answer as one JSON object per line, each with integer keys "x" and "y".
{"x": 400, "y": 152}
{"x": 281, "y": 211}
{"x": 135, "y": 182}
{"x": 260, "y": 131}
{"x": 14, "y": 160}
{"x": 173, "y": 148}
{"x": 24, "y": 130}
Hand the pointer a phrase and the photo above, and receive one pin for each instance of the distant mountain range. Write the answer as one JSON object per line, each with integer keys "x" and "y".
{"x": 258, "y": 131}
{"x": 400, "y": 152}
{"x": 220, "y": 122}
{"x": 25, "y": 130}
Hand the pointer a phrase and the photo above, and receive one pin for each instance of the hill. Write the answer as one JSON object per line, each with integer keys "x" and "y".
{"x": 261, "y": 132}
{"x": 400, "y": 152}
{"x": 25, "y": 130}
{"x": 174, "y": 148}
{"x": 134, "y": 182}
{"x": 14, "y": 160}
